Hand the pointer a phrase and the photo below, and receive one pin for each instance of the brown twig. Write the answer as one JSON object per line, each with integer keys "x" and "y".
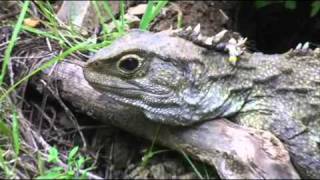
{"x": 68, "y": 113}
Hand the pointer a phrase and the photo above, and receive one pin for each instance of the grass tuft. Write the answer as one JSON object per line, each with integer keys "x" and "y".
{"x": 46, "y": 65}
{"x": 13, "y": 40}
{"x": 151, "y": 13}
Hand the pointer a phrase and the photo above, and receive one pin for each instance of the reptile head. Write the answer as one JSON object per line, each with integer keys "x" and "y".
{"x": 164, "y": 76}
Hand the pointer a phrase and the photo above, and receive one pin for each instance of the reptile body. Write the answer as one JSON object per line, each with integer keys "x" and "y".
{"x": 177, "y": 82}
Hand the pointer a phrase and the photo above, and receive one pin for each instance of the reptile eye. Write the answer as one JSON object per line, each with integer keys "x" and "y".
{"x": 129, "y": 63}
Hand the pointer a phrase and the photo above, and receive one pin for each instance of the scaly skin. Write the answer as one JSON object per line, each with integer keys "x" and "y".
{"x": 175, "y": 82}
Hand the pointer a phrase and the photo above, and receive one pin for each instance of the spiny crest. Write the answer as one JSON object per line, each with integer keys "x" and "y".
{"x": 304, "y": 49}
{"x": 194, "y": 35}
{"x": 222, "y": 41}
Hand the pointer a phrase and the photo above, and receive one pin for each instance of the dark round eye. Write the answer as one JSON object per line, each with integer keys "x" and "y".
{"x": 129, "y": 63}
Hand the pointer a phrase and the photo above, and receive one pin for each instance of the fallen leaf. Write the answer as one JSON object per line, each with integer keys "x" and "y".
{"x": 31, "y": 22}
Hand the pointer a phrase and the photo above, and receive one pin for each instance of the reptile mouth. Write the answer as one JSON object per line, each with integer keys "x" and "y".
{"x": 129, "y": 90}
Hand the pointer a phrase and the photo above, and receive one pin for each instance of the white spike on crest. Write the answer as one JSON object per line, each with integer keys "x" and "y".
{"x": 189, "y": 28}
{"x": 196, "y": 29}
{"x": 305, "y": 46}
{"x": 209, "y": 40}
{"x": 219, "y": 36}
{"x": 299, "y": 46}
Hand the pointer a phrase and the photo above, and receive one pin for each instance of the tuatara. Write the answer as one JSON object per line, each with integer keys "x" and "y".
{"x": 175, "y": 81}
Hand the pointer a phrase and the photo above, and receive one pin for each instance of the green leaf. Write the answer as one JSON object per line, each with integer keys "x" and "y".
{"x": 4, "y": 129}
{"x": 70, "y": 173}
{"x": 3, "y": 165}
{"x": 290, "y": 4}
{"x": 55, "y": 172}
{"x": 261, "y": 4}
{"x": 53, "y": 155}
{"x": 56, "y": 169}
{"x": 80, "y": 162}
{"x": 315, "y": 8}
{"x": 84, "y": 175}
{"x": 15, "y": 133}
{"x": 51, "y": 175}
{"x": 73, "y": 153}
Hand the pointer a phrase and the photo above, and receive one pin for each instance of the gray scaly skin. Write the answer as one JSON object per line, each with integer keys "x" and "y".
{"x": 176, "y": 82}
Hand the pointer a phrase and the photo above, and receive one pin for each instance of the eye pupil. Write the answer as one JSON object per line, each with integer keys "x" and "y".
{"x": 129, "y": 64}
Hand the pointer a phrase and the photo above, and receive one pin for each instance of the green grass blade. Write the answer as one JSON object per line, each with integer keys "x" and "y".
{"x": 150, "y": 152}
{"x": 49, "y": 14}
{"x": 315, "y": 8}
{"x": 179, "y": 20}
{"x": 146, "y": 16}
{"x": 290, "y": 4}
{"x": 192, "y": 165}
{"x": 40, "y": 164}
{"x": 44, "y": 9}
{"x": 110, "y": 13}
{"x": 46, "y": 65}
{"x": 101, "y": 20}
{"x": 65, "y": 41}
{"x": 122, "y": 7}
{"x": 151, "y": 13}
{"x": 13, "y": 40}
{"x": 15, "y": 133}
{"x": 41, "y": 33}
{"x": 158, "y": 8}
{"x": 3, "y": 165}
{"x": 261, "y": 3}
{"x": 205, "y": 171}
